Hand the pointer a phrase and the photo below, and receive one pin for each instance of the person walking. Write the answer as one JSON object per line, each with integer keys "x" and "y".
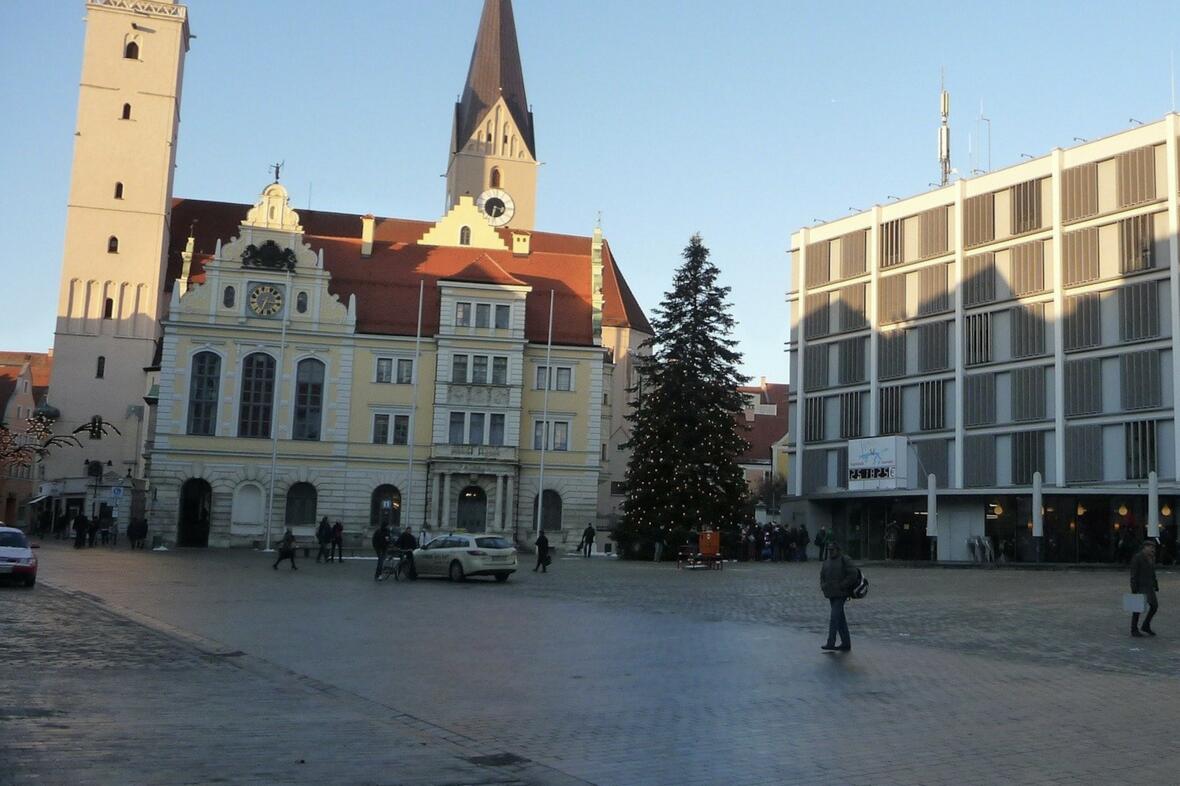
{"x": 381, "y": 546}
{"x": 406, "y": 543}
{"x": 337, "y": 542}
{"x": 803, "y": 541}
{"x": 588, "y": 540}
{"x": 81, "y": 527}
{"x": 1143, "y": 582}
{"x": 659, "y": 544}
{"x": 837, "y": 578}
{"x": 323, "y": 536}
{"x": 286, "y": 550}
{"x": 542, "y": 545}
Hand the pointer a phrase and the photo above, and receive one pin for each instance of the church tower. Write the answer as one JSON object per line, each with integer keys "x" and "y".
{"x": 493, "y": 156}
{"x": 116, "y": 234}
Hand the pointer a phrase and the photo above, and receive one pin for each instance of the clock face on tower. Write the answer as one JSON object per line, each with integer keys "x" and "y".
{"x": 497, "y": 206}
{"x": 266, "y": 300}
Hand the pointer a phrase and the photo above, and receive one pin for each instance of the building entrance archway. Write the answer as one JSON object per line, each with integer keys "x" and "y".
{"x": 473, "y": 509}
{"x": 196, "y": 501}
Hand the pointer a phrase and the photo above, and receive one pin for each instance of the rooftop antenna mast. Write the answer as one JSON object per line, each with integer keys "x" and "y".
{"x": 988, "y": 120}
{"x": 944, "y": 132}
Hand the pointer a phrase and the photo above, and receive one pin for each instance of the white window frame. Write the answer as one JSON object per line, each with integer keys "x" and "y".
{"x": 496, "y": 311}
{"x": 466, "y": 368}
{"x": 393, "y": 414}
{"x": 487, "y": 427}
{"x": 543, "y": 370}
{"x": 566, "y": 423}
{"x": 395, "y": 366}
{"x": 492, "y": 370}
{"x": 459, "y": 308}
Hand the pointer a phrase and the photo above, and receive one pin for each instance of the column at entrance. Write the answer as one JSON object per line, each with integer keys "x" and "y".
{"x": 446, "y": 504}
{"x": 497, "y": 515}
{"x": 509, "y": 512}
{"x": 436, "y": 500}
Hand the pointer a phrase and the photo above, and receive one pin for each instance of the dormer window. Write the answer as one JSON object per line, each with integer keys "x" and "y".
{"x": 131, "y": 51}
{"x": 465, "y": 236}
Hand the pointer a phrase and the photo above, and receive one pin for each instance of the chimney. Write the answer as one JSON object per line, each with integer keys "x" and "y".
{"x": 520, "y": 244}
{"x": 367, "y": 224}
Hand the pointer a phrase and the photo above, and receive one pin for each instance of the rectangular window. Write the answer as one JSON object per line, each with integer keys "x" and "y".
{"x": 401, "y": 429}
{"x": 1028, "y": 457}
{"x": 933, "y": 349}
{"x": 459, "y": 369}
{"x": 257, "y": 397}
{"x": 542, "y": 377}
{"x": 539, "y": 434}
{"x": 1083, "y": 321}
{"x": 483, "y": 315}
{"x": 380, "y": 429}
{"x": 979, "y": 460}
{"x": 1028, "y": 393}
{"x": 463, "y": 314}
{"x": 1079, "y": 192}
{"x": 1026, "y": 206}
{"x": 979, "y": 279}
{"x": 203, "y": 392}
{"x": 1135, "y": 240}
{"x": 1141, "y": 453}
{"x": 979, "y": 399}
{"x": 816, "y": 316}
{"x": 1136, "y": 176}
{"x": 479, "y": 369}
{"x": 816, "y": 362}
{"x": 818, "y": 263}
{"x": 1080, "y": 256}
{"x": 1083, "y": 453}
{"x": 892, "y": 360}
{"x": 475, "y": 434}
{"x": 458, "y": 428}
{"x": 933, "y": 224}
{"x": 852, "y": 360}
{"x": 893, "y": 242}
{"x": 405, "y": 371}
{"x": 890, "y": 409}
{"x": 852, "y": 253}
{"x": 932, "y": 293}
{"x": 814, "y": 427}
{"x": 1139, "y": 311}
{"x": 891, "y": 299}
{"x": 850, "y": 304}
{"x": 565, "y": 378}
{"x": 1028, "y": 330}
{"x": 561, "y": 436}
{"x": 850, "y": 414}
{"x": 1140, "y": 379}
{"x": 1083, "y": 386}
{"x": 384, "y": 370}
{"x": 979, "y": 214}
{"x": 309, "y": 400}
{"x": 933, "y": 454}
{"x": 496, "y": 430}
{"x": 503, "y": 317}
{"x": 932, "y": 396}
{"x": 556, "y": 437}
{"x": 499, "y": 371}
{"x": 1028, "y": 268}
{"x": 977, "y": 339}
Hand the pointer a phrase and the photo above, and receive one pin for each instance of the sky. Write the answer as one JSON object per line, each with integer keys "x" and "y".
{"x": 742, "y": 121}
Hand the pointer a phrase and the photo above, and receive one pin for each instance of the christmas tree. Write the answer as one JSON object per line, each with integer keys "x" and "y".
{"x": 683, "y": 474}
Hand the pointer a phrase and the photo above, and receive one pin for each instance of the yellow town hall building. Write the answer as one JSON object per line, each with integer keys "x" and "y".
{"x": 439, "y": 374}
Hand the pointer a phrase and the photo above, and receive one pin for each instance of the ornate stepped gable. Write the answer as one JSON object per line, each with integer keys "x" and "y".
{"x": 386, "y": 283}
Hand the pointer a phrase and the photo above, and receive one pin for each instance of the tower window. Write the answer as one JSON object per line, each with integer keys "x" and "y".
{"x": 112, "y": 245}
{"x": 118, "y": 190}
{"x": 301, "y": 303}
{"x": 100, "y": 367}
{"x": 131, "y": 51}
{"x": 495, "y": 177}
{"x": 126, "y": 111}
{"x": 108, "y": 308}
{"x": 465, "y": 236}
{"x": 227, "y": 299}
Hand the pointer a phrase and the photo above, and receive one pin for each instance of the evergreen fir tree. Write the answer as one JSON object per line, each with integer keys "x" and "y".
{"x": 683, "y": 473}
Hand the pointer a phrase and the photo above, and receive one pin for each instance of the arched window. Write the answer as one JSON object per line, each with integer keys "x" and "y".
{"x": 131, "y": 51}
{"x": 126, "y": 111}
{"x": 301, "y": 501}
{"x": 204, "y": 383}
{"x": 118, "y": 190}
{"x": 227, "y": 298}
{"x": 386, "y": 506}
{"x": 108, "y": 308}
{"x": 309, "y": 399}
{"x": 465, "y": 236}
{"x": 301, "y": 303}
{"x": 248, "y": 507}
{"x": 112, "y": 245}
{"x": 495, "y": 177}
{"x": 257, "y": 398}
{"x": 100, "y": 368}
{"x": 550, "y": 513}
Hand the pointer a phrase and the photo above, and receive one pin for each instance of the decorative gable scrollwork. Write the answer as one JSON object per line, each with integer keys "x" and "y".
{"x": 268, "y": 256}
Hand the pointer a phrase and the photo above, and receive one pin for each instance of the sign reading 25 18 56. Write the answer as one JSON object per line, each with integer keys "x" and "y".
{"x": 870, "y": 473}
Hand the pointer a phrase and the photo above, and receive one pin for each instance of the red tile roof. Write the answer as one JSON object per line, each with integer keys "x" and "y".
{"x": 40, "y": 366}
{"x": 8, "y": 377}
{"x": 765, "y": 430}
{"x": 484, "y": 270}
{"x": 386, "y": 283}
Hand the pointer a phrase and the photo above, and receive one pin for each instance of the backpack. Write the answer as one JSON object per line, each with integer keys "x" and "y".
{"x": 861, "y": 588}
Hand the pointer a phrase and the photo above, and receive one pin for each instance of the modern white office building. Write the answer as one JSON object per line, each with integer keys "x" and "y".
{"x": 1011, "y": 329}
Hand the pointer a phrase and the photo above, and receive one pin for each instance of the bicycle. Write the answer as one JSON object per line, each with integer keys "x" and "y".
{"x": 396, "y": 563}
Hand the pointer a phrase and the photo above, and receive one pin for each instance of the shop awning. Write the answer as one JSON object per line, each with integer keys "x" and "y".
{"x": 37, "y": 499}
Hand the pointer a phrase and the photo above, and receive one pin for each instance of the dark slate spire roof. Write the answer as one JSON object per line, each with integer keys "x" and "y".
{"x": 494, "y": 71}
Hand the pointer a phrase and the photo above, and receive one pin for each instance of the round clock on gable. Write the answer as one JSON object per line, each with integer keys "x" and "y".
{"x": 497, "y": 206}
{"x": 266, "y": 300}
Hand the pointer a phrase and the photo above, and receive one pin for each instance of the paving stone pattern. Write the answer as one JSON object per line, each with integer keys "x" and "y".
{"x": 598, "y": 672}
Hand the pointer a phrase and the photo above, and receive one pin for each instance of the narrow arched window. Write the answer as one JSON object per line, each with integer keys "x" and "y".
{"x": 112, "y": 245}
{"x": 465, "y": 236}
{"x": 202, "y": 394}
{"x": 301, "y": 505}
{"x": 227, "y": 298}
{"x": 301, "y": 302}
{"x": 126, "y": 111}
{"x": 108, "y": 308}
{"x": 100, "y": 368}
{"x": 495, "y": 181}
{"x": 131, "y": 51}
{"x": 309, "y": 399}
{"x": 257, "y": 398}
{"x": 118, "y": 190}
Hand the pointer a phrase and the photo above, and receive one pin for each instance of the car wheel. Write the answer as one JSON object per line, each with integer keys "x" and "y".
{"x": 457, "y": 571}
{"x": 30, "y": 581}
{"x": 502, "y": 577}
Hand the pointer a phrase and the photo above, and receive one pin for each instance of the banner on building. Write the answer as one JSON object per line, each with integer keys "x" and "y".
{"x": 877, "y": 463}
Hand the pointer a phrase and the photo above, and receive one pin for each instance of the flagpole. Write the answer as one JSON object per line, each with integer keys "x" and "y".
{"x": 274, "y": 422}
{"x": 414, "y": 406}
{"x": 545, "y": 435}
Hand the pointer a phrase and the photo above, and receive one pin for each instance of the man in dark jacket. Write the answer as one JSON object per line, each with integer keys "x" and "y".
{"x": 837, "y": 579}
{"x": 405, "y": 544}
{"x": 337, "y": 543}
{"x": 542, "y": 545}
{"x": 323, "y": 536}
{"x": 381, "y": 546}
{"x": 1143, "y": 582}
{"x": 588, "y": 540}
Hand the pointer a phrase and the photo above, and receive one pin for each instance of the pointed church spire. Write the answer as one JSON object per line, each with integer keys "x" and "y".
{"x": 494, "y": 72}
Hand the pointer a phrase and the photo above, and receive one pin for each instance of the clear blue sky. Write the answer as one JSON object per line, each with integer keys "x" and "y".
{"x": 742, "y": 121}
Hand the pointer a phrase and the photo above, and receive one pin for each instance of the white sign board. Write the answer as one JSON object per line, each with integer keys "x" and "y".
{"x": 877, "y": 463}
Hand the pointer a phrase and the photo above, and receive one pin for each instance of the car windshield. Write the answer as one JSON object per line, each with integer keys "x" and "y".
{"x": 492, "y": 543}
{"x": 13, "y": 540}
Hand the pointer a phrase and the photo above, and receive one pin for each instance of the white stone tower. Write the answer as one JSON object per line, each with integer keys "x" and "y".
{"x": 116, "y": 235}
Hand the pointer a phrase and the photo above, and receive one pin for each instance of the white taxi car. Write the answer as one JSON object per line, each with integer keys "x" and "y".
{"x": 460, "y": 555}
{"x": 17, "y": 560}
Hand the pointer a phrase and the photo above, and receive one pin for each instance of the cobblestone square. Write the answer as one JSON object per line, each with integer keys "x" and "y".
{"x": 208, "y": 667}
